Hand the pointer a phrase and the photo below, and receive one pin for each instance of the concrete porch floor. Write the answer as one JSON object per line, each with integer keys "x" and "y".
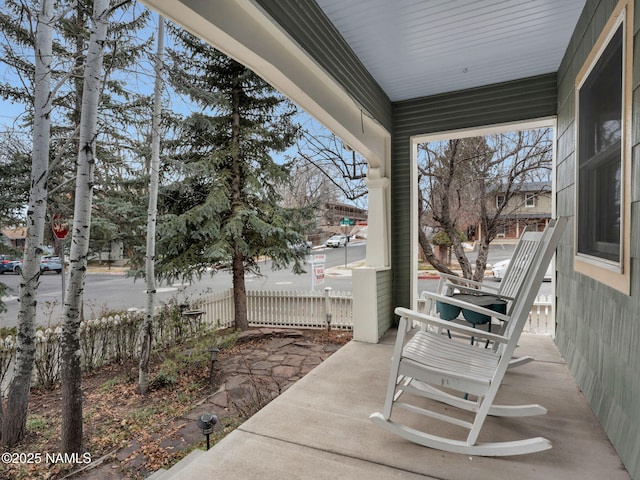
{"x": 320, "y": 428}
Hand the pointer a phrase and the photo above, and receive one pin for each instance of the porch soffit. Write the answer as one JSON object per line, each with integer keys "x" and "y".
{"x": 419, "y": 48}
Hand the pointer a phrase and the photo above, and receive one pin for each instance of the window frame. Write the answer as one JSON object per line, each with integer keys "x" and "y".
{"x": 530, "y": 197}
{"x": 615, "y": 274}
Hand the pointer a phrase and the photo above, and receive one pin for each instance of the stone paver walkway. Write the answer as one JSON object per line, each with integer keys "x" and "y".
{"x": 247, "y": 378}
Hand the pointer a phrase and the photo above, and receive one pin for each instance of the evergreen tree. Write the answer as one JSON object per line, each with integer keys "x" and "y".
{"x": 123, "y": 114}
{"x": 224, "y": 208}
{"x": 14, "y": 178}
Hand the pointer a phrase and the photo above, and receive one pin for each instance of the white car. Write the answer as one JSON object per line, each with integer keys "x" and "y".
{"x": 500, "y": 268}
{"x": 337, "y": 241}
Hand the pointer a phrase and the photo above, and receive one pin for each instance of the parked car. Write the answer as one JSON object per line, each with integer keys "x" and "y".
{"x": 6, "y": 264}
{"x": 337, "y": 241}
{"x": 500, "y": 268}
{"x": 48, "y": 263}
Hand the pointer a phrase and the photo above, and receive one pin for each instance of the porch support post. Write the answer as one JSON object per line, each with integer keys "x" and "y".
{"x": 377, "y": 222}
{"x": 371, "y": 284}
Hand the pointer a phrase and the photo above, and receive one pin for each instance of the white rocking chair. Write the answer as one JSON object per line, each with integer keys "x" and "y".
{"x": 427, "y": 361}
{"x": 456, "y": 294}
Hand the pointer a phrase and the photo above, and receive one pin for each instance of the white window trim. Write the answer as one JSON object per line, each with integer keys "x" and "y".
{"x": 614, "y": 274}
{"x": 527, "y": 197}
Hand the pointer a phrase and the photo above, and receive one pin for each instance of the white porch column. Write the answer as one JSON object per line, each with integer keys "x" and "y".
{"x": 378, "y": 228}
{"x": 370, "y": 311}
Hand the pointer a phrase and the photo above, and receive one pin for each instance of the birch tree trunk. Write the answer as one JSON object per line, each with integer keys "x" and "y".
{"x": 152, "y": 214}
{"x": 71, "y": 374}
{"x": 14, "y": 420}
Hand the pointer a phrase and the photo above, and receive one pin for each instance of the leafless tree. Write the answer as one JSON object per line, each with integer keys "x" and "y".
{"x": 70, "y": 356}
{"x": 459, "y": 177}
{"x": 309, "y": 186}
{"x": 146, "y": 335}
{"x": 340, "y": 165}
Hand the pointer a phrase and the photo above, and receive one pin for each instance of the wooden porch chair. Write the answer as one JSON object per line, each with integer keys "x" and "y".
{"x": 479, "y": 302}
{"x": 506, "y": 290}
{"x": 425, "y": 361}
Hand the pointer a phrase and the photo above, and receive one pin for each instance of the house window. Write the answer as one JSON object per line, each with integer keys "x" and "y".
{"x": 500, "y": 199}
{"x": 601, "y": 156}
{"x": 529, "y": 200}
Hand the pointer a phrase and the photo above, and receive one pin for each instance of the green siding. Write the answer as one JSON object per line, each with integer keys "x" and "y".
{"x": 598, "y": 328}
{"x": 384, "y": 288}
{"x": 506, "y": 102}
{"x": 307, "y": 24}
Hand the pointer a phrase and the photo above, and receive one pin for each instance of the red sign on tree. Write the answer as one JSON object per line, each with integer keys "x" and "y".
{"x": 60, "y": 227}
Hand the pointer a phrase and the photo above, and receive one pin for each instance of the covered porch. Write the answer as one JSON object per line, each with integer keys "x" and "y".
{"x": 319, "y": 428}
{"x": 383, "y": 76}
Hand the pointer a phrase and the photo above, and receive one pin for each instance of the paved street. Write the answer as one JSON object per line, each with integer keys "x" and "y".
{"x": 112, "y": 291}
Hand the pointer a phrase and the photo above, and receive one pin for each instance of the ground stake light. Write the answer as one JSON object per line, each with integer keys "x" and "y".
{"x": 206, "y": 422}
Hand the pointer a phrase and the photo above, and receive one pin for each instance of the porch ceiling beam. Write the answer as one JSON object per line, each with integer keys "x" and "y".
{"x": 241, "y": 30}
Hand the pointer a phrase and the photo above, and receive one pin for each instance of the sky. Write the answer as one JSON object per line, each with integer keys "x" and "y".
{"x": 140, "y": 80}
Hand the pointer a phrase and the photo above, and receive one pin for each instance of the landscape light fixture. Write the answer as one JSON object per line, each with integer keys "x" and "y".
{"x": 206, "y": 422}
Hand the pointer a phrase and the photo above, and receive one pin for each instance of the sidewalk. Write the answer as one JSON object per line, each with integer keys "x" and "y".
{"x": 119, "y": 267}
{"x": 342, "y": 271}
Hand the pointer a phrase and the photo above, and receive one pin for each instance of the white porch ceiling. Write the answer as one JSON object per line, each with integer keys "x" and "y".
{"x": 417, "y": 48}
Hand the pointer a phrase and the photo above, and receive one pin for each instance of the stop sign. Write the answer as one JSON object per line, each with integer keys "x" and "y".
{"x": 60, "y": 227}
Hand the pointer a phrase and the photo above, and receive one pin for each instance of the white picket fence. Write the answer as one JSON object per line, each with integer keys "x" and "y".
{"x": 282, "y": 309}
{"x": 541, "y": 319}
{"x": 115, "y": 338}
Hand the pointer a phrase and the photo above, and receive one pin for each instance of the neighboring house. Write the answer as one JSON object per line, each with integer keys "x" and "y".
{"x": 329, "y": 221}
{"x": 334, "y": 213}
{"x": 385, "y": 76}
{"x": 16, "y": 237}
{"x": 530, "y": 207}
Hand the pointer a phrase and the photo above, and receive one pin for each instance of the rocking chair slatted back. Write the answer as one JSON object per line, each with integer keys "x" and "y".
{"x": 519, "y": 265}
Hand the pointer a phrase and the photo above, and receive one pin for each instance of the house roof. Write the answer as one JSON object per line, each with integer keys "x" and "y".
{"x": 15, "y": 233}
{"x": 533, "y": 187}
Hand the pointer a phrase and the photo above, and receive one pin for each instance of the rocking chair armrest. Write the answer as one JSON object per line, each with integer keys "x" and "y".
{"x": 466, "y": 305}
{"x": 449, "y": 282}
{"x": 411, "y": 315}
{"x": 457, "y": 280}
{"x": 486, "y": 290}
{"x": 483, "y": 290}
